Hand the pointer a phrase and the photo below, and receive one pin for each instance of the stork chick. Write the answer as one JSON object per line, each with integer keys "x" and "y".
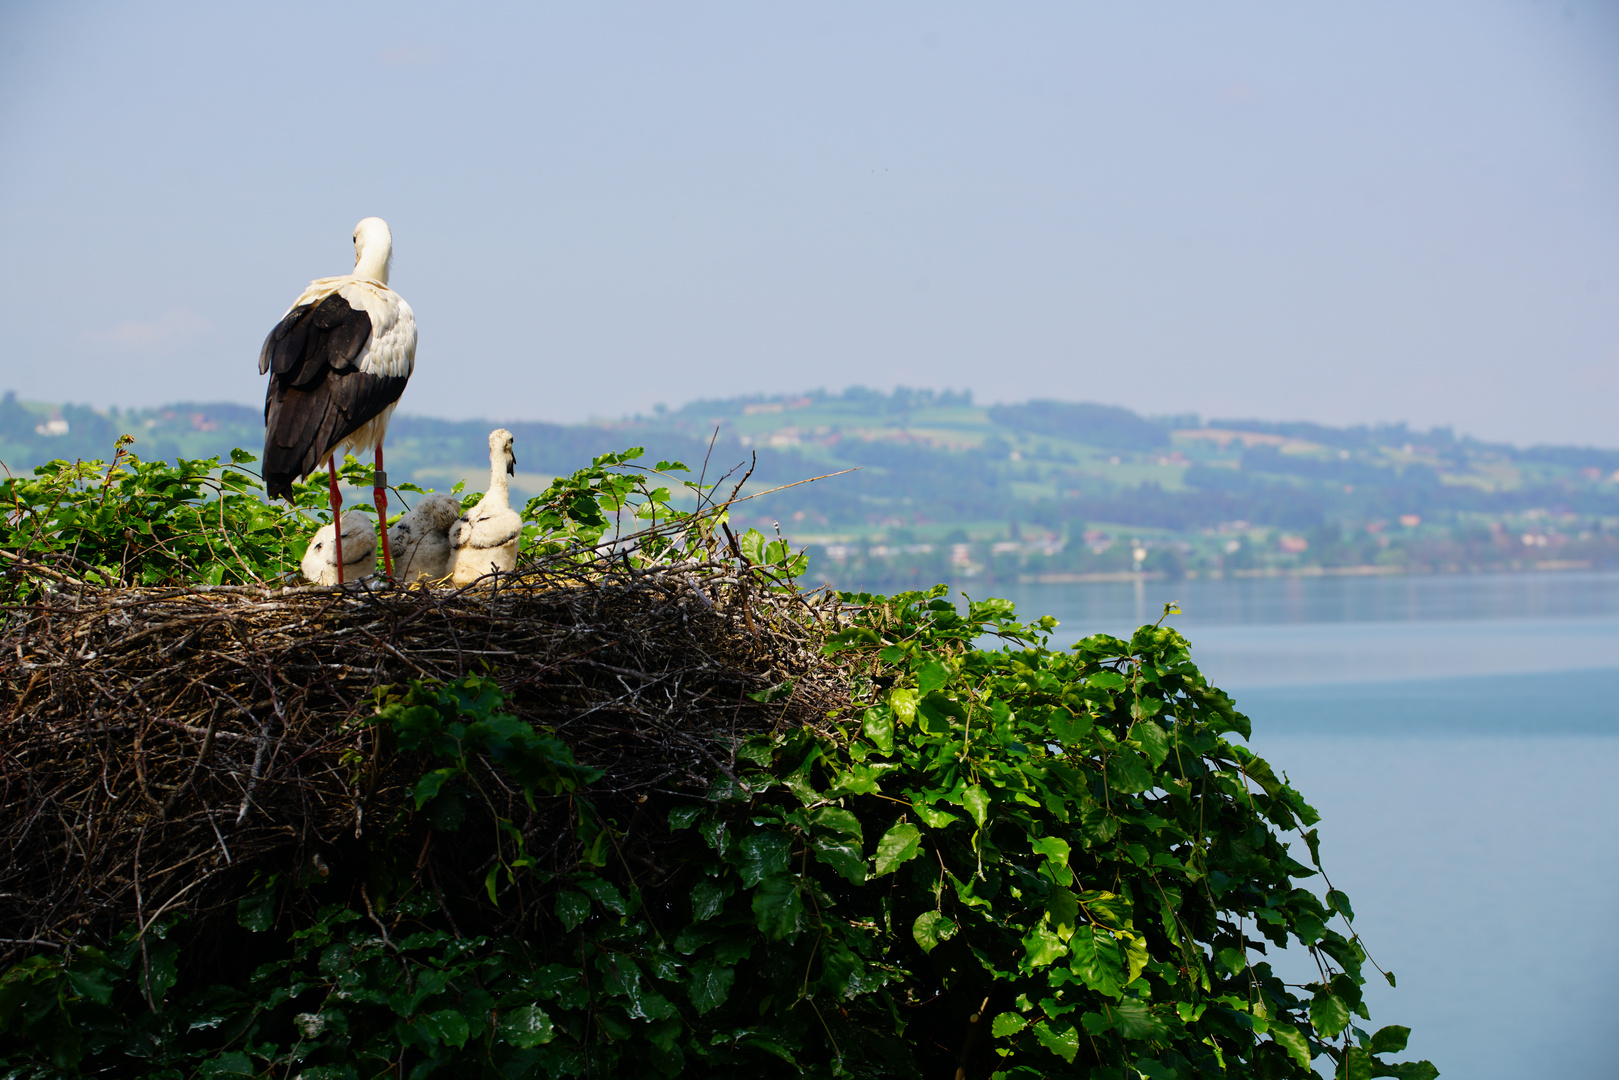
{"x": 485, "y": 538}
{"x": 421, "y": 539}
{"x": 359, "y": 551}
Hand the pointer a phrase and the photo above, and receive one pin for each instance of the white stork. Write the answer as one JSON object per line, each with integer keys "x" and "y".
{"x": 338, "y": 361}
{"x": 485, "y": 538}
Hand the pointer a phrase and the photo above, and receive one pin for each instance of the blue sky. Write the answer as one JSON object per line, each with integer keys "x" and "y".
{"x": 1342, "y": 212}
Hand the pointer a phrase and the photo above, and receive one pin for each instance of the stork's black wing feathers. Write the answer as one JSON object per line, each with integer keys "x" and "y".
{"x": 317, "y": 396}
{"x": 315, "y": 336}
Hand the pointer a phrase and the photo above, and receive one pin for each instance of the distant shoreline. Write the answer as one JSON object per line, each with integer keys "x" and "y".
{"x": 1128, "y": 576}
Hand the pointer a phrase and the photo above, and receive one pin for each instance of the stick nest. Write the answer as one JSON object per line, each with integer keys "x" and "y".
{"x": 159, "y": 748}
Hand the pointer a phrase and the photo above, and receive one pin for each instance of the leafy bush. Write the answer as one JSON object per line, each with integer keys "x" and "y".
{"x": 1021, "y": 861}
{"x": 129, "y": 522}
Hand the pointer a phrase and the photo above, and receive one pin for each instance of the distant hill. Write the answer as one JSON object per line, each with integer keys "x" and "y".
{"x": 1051, "y": 488}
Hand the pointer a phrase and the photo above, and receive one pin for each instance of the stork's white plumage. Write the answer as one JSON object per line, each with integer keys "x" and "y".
{"x": 338, "y": 361}
{"x": 358, "y": 553}
{"x": 485, "y": 538}
{"x": 421, "y": 539}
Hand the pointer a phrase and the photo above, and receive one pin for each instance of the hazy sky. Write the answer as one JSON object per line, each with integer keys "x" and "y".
{"x": 1343, "y": 212}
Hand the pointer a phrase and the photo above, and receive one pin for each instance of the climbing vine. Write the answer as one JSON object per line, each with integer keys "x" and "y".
{"x": 1017, "y": 861}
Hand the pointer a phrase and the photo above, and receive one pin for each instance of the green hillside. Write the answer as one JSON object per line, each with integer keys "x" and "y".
{"x": 949, "y": 490}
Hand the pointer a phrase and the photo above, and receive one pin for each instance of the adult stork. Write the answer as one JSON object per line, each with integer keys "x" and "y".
{"x": 338, "y": 361}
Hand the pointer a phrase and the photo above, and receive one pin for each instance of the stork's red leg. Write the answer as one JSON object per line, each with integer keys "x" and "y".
{"x": 337, "y": 515}
{"x": 381, "y": 493}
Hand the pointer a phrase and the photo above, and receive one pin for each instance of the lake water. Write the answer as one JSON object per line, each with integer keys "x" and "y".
{"x": 1460, "y": 737}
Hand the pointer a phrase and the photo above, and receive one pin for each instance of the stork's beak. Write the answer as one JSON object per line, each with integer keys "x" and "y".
{"x": 511, "y": 463}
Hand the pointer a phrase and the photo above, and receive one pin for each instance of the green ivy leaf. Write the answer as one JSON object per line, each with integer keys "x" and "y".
{"x": 762, "y": 854}
{"x": 1292, "y": 1040}
{"x": 1328, "y": 1013}
{"x": 932, "y": 927}
{"x": 878, "y": 726}
{"x": 445, "y": 1026}
{"x": 708, "y": 985}
{"x": 898, "y": 845}
{"x": 1007, "y": 1024}
{"x": 843, "y": 856}
{"x": 1097, "y": 960}
{"x": 931, "y": 676}
{"x": 1134, "y": 1020}
{"x": 976, "y": 800}
{"x": 256, "y": 912}
{"x": 572, "y": 908}
{"x": 527, "y": 1027}
{"x": 1068, "y": 728}
{"x": 606, "y": 894}
{"x": 777, "y": 906}
{"x": 231, "y": 1063}
{"x": 1041, "y": 947}
{"x": 1063, "y": 1043}
{"x": 708, "y": 898}
{"x": 1390, "y": 1039}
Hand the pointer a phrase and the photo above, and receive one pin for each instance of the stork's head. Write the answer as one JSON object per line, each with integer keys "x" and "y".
{"x": 373, "y": 249}
{"x": 500, "y": 447}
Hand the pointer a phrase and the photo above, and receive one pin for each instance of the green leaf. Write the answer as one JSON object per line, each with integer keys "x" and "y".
{"x": 1407, "y": 1070}
{"x": 1292, "y": 1040}
{"x": 1007, "y": 1024}
{"x": 902, "y": 703}
{"x": 1328, "y": 1013}
{"x": 878, "y": 726}
{"x": 1390, "y": 1039}
{"x": 681, "y": 817}
{"x": 932, "y": 927}
{"x": 1132, "y": 1019}
{"x": 1064, "y": 1043}
{"x": 429, "y": 785}
{"x": 606, "y": 894}
{"x": 1052, "y": 847}
{"x": 527, "y": 1027}
{"x": 1063, "y": 910}
{"x": 446, "y": 1026}
{"x": 780, "y": 692}
{"x": 930, "y": 677}
{"x": 572, "y": 908}
{"x": 777, "y": 906}
{"x": 762, "y": 853}
{"x": 1097, "y": 960}
{"x": 1041, "y": 947}
{"x": 256, "y": 912}
{"x": 708, "y": 899}
{"x": 233, "y": 1063}
{"x": 1152, "y": 739}
{"x": 837, "y": 820}
{"x": 1339, "y": 902}
{"x": 1107, "y": 680}
{"x": 1068, "y": 728}
{"x": 1127, "y": 772}
{"x": 976, "y": 800}
{"x": 708, "y": 985}
{"x": 899, "y": 844}
{"x": 843, "y": 856}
